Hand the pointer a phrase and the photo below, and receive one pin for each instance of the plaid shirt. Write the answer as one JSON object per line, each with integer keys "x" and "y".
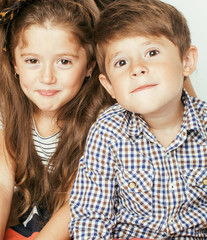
{"x": 128, "y": 185}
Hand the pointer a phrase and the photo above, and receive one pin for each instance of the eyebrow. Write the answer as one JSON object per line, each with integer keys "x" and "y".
{"x": 27, "y": 54}
{"x": 68, "y": 54}
{"x": 58, "y": 55}
{"x": 113, "y": 56}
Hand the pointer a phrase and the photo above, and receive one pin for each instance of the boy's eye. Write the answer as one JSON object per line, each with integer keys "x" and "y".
{"x": 152, "y": 53}
{"x": 64, "y": 61}
{"x": 32, "y": 61}
{"x": 120, "y": 63}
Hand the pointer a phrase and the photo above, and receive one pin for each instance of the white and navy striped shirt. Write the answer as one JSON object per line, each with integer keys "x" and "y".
{"x": 45, "y": 147}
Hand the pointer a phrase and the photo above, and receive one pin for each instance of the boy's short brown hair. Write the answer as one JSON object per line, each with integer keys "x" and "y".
{"x": 140, "y": 17}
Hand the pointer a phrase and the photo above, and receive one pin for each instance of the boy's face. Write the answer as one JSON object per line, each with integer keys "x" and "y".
{"x": 145, "y": 74}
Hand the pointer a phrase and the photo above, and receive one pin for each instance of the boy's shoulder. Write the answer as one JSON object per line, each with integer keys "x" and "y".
{"x": 115, "y": 115}
{"x": 200, "y": 108}
{"x": 114, "y": 122}
{"x": 111, "y": 112}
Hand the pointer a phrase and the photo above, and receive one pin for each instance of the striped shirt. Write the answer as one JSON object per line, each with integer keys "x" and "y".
{"x": 128, "y": 185}
{"x": 45, "y": 147}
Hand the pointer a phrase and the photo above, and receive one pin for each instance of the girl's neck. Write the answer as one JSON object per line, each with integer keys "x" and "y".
{"x": 46, "y": 124}
{"x": 167, "y": 125}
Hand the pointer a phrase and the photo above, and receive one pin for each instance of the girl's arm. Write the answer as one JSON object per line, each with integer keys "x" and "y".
{"x": 6, "y": 185}
{"x": 57, "y": 227}
{"x": 189, "y": 87}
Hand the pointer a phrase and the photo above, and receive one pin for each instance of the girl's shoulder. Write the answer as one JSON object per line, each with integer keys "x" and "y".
{"x": 1, "y": 124}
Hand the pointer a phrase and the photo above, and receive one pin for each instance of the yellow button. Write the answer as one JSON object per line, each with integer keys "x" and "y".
{"x": 205, "y": 181}
{"x": 132, "y": 185}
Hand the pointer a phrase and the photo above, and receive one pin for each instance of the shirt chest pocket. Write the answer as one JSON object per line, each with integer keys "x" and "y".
{"x": 196, "y": 181}
{"x": 135, "y": 190}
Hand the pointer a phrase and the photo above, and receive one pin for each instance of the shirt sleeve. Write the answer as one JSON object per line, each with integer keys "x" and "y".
{"x": 93, "y": 194}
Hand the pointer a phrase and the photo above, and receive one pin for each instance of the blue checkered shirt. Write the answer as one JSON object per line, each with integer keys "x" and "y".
{"x": 128, "y": 185}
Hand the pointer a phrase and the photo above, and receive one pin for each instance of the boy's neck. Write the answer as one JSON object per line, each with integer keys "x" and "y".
{"x": 165, "y": 127}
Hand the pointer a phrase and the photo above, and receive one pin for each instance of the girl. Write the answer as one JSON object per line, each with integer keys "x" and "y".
{"x": 49, "y": 98}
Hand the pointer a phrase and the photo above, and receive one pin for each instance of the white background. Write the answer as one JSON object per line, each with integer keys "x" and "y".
{"x": 195, "y": 11}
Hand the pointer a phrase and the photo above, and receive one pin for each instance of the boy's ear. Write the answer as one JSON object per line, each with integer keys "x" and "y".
{"x": 106, "y": 84}
{"x": 190, "y": 61}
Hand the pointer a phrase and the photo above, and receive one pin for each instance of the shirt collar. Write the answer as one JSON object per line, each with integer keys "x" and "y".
{"x": 191, "y": 120}
{"x": 190, "y": 117}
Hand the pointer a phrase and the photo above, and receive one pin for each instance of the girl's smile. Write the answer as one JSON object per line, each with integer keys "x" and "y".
{"x": 48, "y": 78}
{"x": 48, "y": 93}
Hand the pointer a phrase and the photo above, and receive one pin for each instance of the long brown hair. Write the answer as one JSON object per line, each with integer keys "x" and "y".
{"x": 35, "y": 183}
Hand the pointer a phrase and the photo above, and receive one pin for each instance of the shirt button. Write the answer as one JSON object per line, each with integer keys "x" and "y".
{"x": 132, "y": 185}
{"x": 171, "y": 220}
{"x": 168, "y": 155}
{"x": 172, "y": 186}
{"x": 205, "y": 181}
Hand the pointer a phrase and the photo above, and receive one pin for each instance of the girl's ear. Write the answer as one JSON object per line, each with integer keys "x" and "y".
{"x": 190, "y": 61}
{"x": 90, "y": 69}
{"x": 107, "y": 85}
{"x": 15, "y": 68}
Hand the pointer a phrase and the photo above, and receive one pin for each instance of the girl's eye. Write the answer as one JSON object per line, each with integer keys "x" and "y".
{"x": 64, "y": 61}
{"x": 152, "y": 53}
{"x": 32, "y": 61}
{"x": 121, "y": 63}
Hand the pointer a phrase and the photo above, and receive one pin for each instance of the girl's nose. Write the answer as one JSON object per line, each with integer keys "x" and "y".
{"x": 48, "y": 75}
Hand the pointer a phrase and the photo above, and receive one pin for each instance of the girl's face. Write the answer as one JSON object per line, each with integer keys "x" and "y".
{"x": 51, "y": 65}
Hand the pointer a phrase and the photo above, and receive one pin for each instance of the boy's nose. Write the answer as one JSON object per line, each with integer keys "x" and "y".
{"x": 138, "y": 69}
{"x": 47, "y": 75}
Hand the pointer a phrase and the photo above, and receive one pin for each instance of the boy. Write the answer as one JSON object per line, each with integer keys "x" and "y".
{"x": 144, "y": 171}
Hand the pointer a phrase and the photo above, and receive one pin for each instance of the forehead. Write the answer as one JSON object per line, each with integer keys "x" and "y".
{"x": 125, "y": 43}
{"x": 39, "y": 34}
{"x": 49, "y": 43}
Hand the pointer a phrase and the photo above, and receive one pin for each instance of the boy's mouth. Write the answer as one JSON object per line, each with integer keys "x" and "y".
{"x": 144, "y": 87}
